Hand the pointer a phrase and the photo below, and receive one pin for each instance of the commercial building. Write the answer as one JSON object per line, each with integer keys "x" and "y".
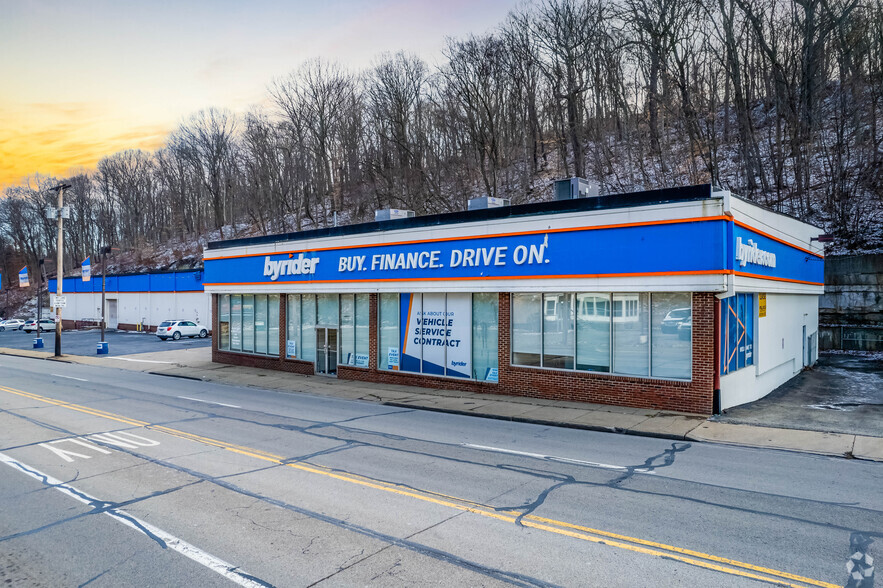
{"x": 680, "y": 299}
{"x": 136, "y": 300}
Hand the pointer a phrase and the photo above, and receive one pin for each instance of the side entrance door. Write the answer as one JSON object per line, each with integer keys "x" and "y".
{"x": 326, "y": 351}
{"x": 112, "y": 314}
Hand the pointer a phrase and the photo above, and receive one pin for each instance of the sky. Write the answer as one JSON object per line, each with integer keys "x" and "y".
{"x": 81, "y": 79}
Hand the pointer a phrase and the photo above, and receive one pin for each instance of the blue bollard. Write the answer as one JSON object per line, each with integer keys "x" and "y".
{"x": 102, "y": 348}
{"x": 38, "y": 343}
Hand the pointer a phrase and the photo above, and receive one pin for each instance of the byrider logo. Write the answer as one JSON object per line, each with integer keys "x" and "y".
{"x": 751, "y": 254}
{"x": 299, "y": 266}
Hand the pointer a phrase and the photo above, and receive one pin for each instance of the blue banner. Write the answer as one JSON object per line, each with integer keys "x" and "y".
{"x": 23, "y": 277}
{"x": 757, "y": 255}
{"x": 671, "y": 248}
{"x": 86, "y": 268}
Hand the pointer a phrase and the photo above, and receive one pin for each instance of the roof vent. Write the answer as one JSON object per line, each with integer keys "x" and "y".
{"x": 487, "y": 202}
{"x": 575, "y": 188}
{"x": 392, "y": 214}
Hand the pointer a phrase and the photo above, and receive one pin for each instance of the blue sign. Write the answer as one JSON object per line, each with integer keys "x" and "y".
{"x": 86, "y": 268}
{"x": 760, "y": 256}
{"x": 23, "y": 277}
{"x": 604, "y": 252}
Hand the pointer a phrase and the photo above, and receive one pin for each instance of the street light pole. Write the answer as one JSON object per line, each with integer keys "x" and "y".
{"x": 104, "y": 252}
{"x": 59, "y": 273}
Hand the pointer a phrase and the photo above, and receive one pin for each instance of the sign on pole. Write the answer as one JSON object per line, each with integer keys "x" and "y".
{"x": 23, "y": 277}
{"x": 761, "y": 305}
{"x": 59, "y": 301}
{"x": 86, "y": 266}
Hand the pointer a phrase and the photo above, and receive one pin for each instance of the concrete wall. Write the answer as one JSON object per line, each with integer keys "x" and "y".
{"x": 851, "y": 310}
{"x": 778, "y": 348}
{"x": 149, "y": 308}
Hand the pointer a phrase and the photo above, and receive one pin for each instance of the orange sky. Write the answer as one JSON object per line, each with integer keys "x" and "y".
{"x": 88, "y": 78}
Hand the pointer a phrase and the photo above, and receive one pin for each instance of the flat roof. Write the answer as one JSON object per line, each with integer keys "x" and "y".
{"x": 607, "y": 202}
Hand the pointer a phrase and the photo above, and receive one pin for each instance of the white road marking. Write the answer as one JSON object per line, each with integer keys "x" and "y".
{"x": 70, "y": 378}
{"x": 139, "y": 360}
{"x": 189, "y": 551}
{"x": 209, "y": 402}
{"x": 594, "y": 464}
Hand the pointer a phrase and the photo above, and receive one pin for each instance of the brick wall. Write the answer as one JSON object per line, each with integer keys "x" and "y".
{"x": 694, "y": 396}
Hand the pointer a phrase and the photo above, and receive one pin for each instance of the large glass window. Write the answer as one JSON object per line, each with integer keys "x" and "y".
{"x": 604, "y": 333}
{"x": 388, "y": 337}
{"x": 260, "y": 324}
{"x": 273, "y": 324}
{"x": 224, "y": 321}
{"x": 672, "y": 333}
{"x": 631, "y": 334}
{"x": 558, "y": 331}
{"x": 527, "y": 328}
{"x": 737, "y": 332}
{"x": 248, "y": 322}
{"x": 485, "y": 321}
{"x": 236, "y": 322}
{"x": 362, "y": 330}
{"x": 347, "y": 329}
{"x": 593, "y": 332}
{"x": 308, "y": 327}
{"x": 292, "y": 317}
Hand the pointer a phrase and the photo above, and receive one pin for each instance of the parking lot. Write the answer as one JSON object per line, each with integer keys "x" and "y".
{"x": 85, "y": 342}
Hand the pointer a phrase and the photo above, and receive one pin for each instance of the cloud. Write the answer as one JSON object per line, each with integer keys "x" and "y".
{"x": 52, "y": 138}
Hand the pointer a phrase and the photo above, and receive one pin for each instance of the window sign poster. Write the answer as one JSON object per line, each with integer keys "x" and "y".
{"x": 392, "y": 358}
{"x": 411, "y": 321}
{"x": 361, "y": 360}
{"x": 490, "y": 375}
{"x": 458, "y": 320}
{"x": 433, "y": 331}
{"x": 291, "y": 348}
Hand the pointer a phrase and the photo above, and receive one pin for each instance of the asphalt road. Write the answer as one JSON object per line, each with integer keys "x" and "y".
{"x": 116, "y": 478}
{"x": 85, "y": 342}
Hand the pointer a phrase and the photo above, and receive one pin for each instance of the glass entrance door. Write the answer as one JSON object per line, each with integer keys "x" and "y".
{"x": 326, "y": 351}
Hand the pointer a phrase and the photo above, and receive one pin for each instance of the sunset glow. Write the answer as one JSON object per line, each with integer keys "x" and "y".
{"x": 82, "y": 80}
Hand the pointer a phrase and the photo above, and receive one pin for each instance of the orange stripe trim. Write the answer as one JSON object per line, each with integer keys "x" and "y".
{"x": 466, "y": 237}
{"x": 768, "y": 236}
{"x": 132, "y": 292}
{"x": 628, "y": 275}
{"x": 761, "y": 277}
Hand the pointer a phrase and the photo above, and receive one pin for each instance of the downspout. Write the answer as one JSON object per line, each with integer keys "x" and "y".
{"x": 716, "y": 346}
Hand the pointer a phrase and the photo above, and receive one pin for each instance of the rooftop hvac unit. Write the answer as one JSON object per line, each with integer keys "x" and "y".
{"x": 575, "y": 188}
{"x": 487, "y": 202}
{"x": 392, "y": 214}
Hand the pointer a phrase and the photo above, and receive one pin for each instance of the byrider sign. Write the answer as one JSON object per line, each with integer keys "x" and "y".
{"x": 553, "y": 253}
{"x": 750, "y": 253}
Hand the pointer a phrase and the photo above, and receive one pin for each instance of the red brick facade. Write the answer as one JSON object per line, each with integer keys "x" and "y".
{"x": 694, "y": 396}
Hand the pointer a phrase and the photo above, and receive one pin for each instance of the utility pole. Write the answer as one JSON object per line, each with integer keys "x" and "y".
{"x": 104, "y": 252}
{"x": 61, "y": 213}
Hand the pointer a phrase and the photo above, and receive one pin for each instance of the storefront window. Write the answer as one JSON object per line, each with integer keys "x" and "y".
{"x": 224, "y": 321}
{"x": 527, "y": 325}
{"x": 672, "y": 333}
{"x": 260, "y": 324}
{"x": 737, "y": 332}
{"x": 485, "y": 321}
{"x": 248, "y": 322}
{"x": 347, "y": 329}
{"x": 327, "y": 310}
{"x": 631, "y": 334}
{"x": 292, "y": 317}
{"x": 236, "y": 322}
{"x": 362, "y": 330}
{"x": 558, "y": 331}
{"x": 388, "y": 339}
{"x": 593, "y": 332}
{"x": 308, "y": 327}
{"x": 273, "y": 324}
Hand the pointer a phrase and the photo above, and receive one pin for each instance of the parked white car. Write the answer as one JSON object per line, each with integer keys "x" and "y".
{"x": 45, "y": 325}
{"x": 176, "y": 329}
{"x": 12, "y": 325}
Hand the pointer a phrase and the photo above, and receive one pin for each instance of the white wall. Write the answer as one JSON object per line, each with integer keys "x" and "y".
{"x": 778, "y": 348}
{"x": 142, "y": 307}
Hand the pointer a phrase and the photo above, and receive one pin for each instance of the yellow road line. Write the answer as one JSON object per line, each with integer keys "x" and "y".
{"x": 549, "y": 525}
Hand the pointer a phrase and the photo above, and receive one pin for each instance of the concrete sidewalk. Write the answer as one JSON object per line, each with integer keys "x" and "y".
{"x": 196, "y": 364}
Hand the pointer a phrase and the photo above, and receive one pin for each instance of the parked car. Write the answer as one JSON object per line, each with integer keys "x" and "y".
{"x": 45, "y": 325}
{"x": 674, "y": 318}
{"x": 685, "y": 329}
{"x": 11, "y": 325}
{"x": 176, "y": 329}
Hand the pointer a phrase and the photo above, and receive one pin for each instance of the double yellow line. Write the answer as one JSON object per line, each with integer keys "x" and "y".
{"x": 634, "y": 544}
